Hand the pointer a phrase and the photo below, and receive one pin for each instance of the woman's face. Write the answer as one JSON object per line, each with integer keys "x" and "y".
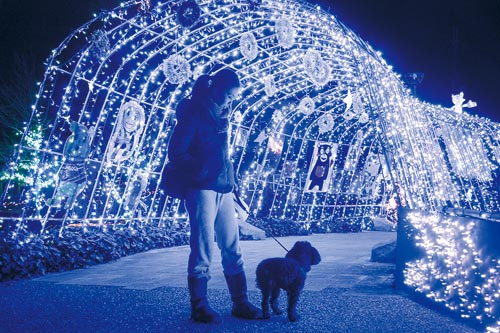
{"x": 229, "y": 96}
{"x": 222, "y": 109}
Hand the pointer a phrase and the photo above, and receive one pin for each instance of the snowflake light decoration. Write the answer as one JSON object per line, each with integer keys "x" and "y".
{"x": 316, "y": 68}
{"x": 176, "y": 69}
{"x": 325, "y": 123}
{"x": 306, "y": 105}
{"x": 285, "y": 33}
{"x": 100, "y": 44}
{"x": 248, "y": 46}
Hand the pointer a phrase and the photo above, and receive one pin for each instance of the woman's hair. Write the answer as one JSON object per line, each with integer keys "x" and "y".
{"x": 207, "y": 86}
{"x": 201, "y": 86}
{"x": 225, "y": 79}
{"x": 199, "y": 91}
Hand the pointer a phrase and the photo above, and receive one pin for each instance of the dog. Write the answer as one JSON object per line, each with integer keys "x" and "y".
{"x": 289, "y": 274}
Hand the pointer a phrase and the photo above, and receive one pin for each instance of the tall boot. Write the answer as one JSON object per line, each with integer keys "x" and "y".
{"x": 242, "y": 308}
{"x": 201, "y": 311}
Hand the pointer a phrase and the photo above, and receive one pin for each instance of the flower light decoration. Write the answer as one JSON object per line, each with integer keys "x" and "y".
{"x": 325, "y": 123}
{"x": 306, "y": 105}
{"x": 297, "y": 80}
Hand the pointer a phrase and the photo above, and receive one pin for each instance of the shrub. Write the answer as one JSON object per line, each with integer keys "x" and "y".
{"x": 337, "y": 225}
{"x": 280, "y": 227}
{"x": 30, "y": 255}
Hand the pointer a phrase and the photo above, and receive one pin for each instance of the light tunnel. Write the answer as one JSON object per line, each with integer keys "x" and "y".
{"x": 97, "y": 141}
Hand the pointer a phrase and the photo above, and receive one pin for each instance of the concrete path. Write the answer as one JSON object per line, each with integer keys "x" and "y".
{"x": 147, "y": 292}
{"x": 345, "y": 264}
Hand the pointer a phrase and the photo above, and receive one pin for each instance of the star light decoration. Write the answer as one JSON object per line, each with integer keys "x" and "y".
{"x": 300, "y": 73}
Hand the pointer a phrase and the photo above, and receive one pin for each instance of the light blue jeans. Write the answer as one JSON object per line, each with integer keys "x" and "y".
{"x": 212, "y": 215}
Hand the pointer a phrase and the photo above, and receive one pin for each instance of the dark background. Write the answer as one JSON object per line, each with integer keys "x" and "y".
{"x": 456, "y": 44}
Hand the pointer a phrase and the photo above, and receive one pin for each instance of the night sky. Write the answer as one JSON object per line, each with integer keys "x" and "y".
{"x": 456, "y": 44}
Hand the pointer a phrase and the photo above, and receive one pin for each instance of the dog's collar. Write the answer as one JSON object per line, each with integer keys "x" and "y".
{"x": 302, "y": 268}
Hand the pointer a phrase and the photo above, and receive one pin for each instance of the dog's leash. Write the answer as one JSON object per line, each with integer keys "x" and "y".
{"x": 277, "y": 241}
{"x": 246, "y": 210}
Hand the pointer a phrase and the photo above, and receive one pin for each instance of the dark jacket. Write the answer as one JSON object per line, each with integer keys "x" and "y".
{"x": 199, "y": 147}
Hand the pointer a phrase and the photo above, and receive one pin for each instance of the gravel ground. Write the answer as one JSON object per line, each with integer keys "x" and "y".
{"x": 34, "y": 306}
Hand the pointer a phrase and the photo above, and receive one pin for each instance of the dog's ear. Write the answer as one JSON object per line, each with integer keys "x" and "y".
{"x": 305, "y": 254}
{"x": 315, "y": 257}
{"x": 307, "y": 247}
{"x": 300, "y": 253}
{"x": 295, "y": 251}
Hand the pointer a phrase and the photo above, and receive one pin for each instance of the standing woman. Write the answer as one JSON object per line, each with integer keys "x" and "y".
{"x": 199, "y": 146}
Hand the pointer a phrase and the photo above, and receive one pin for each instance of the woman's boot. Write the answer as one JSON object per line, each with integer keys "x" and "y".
{"x": 201, "y": 311}
{"x": 242, "y": 308}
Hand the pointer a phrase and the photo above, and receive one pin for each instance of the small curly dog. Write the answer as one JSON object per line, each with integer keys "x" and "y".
{"x": 287, "y": 273}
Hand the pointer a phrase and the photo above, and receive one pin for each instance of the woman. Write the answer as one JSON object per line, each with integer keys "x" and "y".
{"x": 199, "y": 146}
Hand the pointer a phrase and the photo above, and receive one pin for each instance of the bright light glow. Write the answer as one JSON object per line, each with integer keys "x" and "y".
{"x": 301, "y": 82}
{"x": 455, "y": 270}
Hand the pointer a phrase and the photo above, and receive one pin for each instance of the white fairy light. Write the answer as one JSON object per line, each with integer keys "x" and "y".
{"x": 292, "y": 71}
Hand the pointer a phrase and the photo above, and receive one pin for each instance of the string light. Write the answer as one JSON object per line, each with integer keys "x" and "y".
{"x": 302, "y": 83}
{"x": 455, "y": 270}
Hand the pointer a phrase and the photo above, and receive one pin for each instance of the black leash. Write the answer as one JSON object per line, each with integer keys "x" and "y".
{"x": 240, "y": 203}
{"x": 277, "y": 241}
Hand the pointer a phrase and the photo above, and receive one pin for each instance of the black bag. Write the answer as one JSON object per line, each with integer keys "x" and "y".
{"x": 173, "y": 181}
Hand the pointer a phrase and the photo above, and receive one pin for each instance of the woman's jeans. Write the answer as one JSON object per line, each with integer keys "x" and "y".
{"x": 212, "y": 215}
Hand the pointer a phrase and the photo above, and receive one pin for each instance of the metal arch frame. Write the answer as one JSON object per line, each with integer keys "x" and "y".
{"x": 150, "y": 37}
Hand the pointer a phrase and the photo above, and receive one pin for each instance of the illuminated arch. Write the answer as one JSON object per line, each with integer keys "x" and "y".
{"x": 284, "y": 52}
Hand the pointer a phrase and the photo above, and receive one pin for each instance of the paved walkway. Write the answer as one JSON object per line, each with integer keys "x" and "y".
{"x": 147, "y": 293}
